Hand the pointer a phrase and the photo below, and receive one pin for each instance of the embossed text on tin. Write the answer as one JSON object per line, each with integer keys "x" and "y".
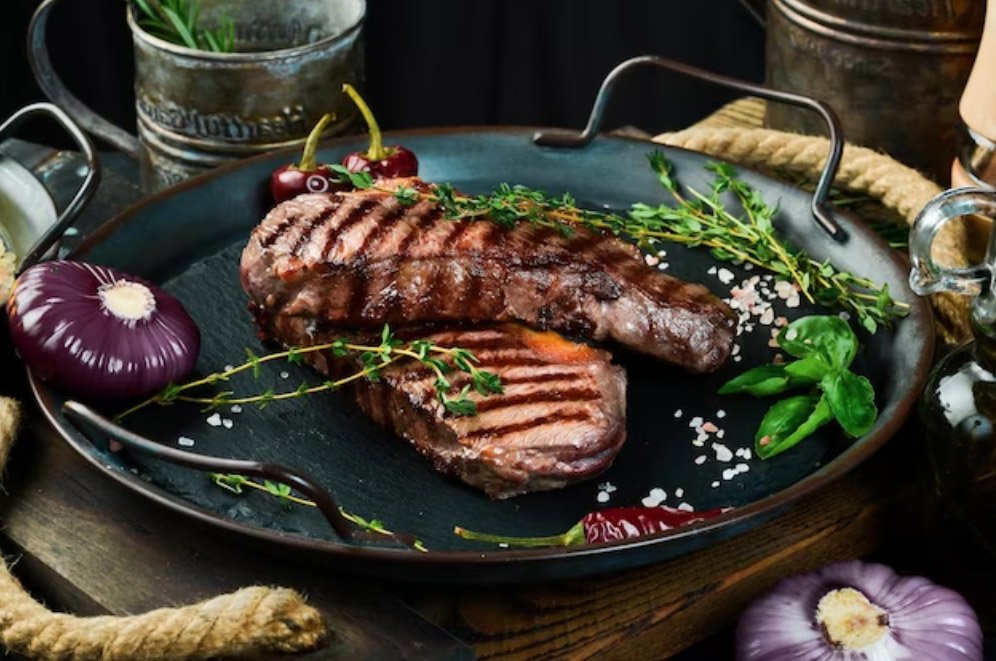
{"x": 291, "y": 121}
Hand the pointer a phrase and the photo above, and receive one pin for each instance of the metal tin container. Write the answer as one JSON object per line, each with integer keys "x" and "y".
{"x": 199, "y": 109}
{"x": 892, "y": 69}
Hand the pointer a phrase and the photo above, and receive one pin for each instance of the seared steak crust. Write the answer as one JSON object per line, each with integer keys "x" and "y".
{"x": 362, "y": 259}
{"x": 561, "y": 418}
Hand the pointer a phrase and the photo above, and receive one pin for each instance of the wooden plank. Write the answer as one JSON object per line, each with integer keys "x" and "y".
{"x": 658, "y": 611}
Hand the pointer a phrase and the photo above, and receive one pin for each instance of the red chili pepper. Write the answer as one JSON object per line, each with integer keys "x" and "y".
{"x": 605, "y": 526}
{"x": 307, "y": 176}
{"x": 380, "y": 161}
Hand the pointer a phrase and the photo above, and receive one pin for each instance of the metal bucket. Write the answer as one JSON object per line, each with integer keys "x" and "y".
{"x": 198, "y": 109}
{"x": 892, "y": 69}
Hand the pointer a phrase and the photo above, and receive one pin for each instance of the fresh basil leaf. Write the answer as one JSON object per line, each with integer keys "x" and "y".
{"x": 790, "y": 421}
{"x": 852, "y": 400}
{"x": 828, "y": 337}
{"x": 758, "y": 381}
{"x": 810, "y": 369}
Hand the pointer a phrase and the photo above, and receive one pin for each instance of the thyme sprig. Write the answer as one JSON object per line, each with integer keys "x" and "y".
{"x": 695, "y": 219}
{"x": 234, "y": 483}
{"x": 178, "y": 21}
{"x": 374, "y": 358}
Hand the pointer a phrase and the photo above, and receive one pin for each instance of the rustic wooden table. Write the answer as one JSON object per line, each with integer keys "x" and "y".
{"x": 89, "y": 547}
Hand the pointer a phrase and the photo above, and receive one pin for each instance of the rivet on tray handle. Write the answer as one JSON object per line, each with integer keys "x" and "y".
{"x": 821, "y": 208}
{"x": 306, "y": 485}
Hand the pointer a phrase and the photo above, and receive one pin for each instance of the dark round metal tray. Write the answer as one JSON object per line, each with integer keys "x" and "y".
{"x": 190, "y": 237}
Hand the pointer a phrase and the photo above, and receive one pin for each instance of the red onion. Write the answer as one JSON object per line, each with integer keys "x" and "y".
{"x": 852, "y": 610}
{"x": 100, "y": 332}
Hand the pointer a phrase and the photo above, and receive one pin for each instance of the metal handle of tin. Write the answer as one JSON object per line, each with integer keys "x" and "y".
{"x": 822, "y": 210}
{"x": 58, "y": 93}
{"x": 926, "y": 276}
{"x": 343, "y": 528}
{"x": 87, "y": 187}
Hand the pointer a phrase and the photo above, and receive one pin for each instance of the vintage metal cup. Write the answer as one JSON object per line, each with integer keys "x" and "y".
{"x": 199, "y": 109}
{"x": 893, "y": 70}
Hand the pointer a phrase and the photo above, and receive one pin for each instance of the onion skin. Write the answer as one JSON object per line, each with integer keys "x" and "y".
{"x": 927, "y": 622}
{"x": 68, "y": 337}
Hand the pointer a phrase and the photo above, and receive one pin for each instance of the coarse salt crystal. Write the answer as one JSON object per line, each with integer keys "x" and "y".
{"x": 185, "y": 442}
{"x": 792, "y": 301}
{"x": 607, "y": 487}
{"x": 658, "y": 493}
{"x": 236, "y": 408}
{"x": 662, "y": 253}
{"x": 747, "y": 453}
{"x": 700, "y": 459}
{"x": 679, "y": 492}
{"x": 677, "y": 414}
{"x": 715, "y": 484}
{"x": 651, "y": 260}
{"x": 781, "y": 321}
{"x": 227, "y": 423}
{"x": 229, "y": 368}
{"x": 695, "y": 422}
{"x": 748, "y": 266}
{"x": 710, "y": 427}
{"x": 721, "y": 433}
{"x": 602, "y": 497}
{"x": 650, "y": 502}
{"x": 712, "y": 270}
{"x": 742, "y": 468}
{"x": 736, "y": 349}
{"x": 737, "y": 359}
{"x": 285, "y": 375}
{"x": 663, "y": 266}
{"x": 685, "y": 507}
{"x": 720, "y": 413}
{"x": 214, "y": 420}
{"x": 725, "y": 276}
{"x": 729, "y": 474}
{"x": 767, "y": 317}
{"x": 723, "y": 453}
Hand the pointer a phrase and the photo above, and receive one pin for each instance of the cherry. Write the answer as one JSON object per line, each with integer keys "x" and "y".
{"x": 380, "y": 161}
{"x": 308, "y": 176}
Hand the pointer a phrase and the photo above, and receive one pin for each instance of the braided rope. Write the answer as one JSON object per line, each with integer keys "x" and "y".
{"x": 249, "y": 621}
{"x": 862, "y": 170}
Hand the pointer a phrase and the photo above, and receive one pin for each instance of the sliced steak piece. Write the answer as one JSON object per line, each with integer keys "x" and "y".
{"x": 561, "y": 418}
{"x": 361, "y": 259}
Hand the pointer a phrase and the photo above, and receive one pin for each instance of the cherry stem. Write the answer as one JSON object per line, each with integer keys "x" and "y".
{"x": 376, "y": 152}
{"x": 573, "y": 537}
{"x": 309, "y": 157}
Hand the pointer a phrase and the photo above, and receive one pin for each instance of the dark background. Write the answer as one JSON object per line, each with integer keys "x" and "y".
{"x": 450, "y": 62}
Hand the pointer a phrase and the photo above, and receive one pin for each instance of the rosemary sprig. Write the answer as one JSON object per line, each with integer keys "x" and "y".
{"x": 696, "y": 219}
{"x": 234, "y": 483}
{"x": 178, "y": 21}
{"x": 442, "y": 361}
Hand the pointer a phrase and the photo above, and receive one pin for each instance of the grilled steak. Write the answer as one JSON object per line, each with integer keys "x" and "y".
{"x": 561, "y": 418}
{"x": 361, "y": 259}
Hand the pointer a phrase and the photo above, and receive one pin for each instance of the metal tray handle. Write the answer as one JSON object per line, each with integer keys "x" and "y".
{"x": 86, "y": 190}
{"x": 344, "y": 529}
{"x": 822, "y": 210}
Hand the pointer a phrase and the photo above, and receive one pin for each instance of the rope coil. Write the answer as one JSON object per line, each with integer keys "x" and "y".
{"x": 249, "y": 621}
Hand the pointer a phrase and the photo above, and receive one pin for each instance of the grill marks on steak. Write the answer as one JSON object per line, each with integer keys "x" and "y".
{"x": 362, "y": 259}
{"x": 561, "y": 418}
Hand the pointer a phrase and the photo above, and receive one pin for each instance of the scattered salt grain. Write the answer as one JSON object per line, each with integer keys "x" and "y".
{"x": 658, "y": 493}
{"x": 651, "y": 260}
{"x": 602, "y": 497}
{"x": 185, "y": 442}
{"x": 793, "y": 301}
{"x": 685, "y": 507}
{"x": 767, "y": 317}
{"x": 227, "y": 423}
{"x": 721, "y": 433}
{"x": 607, "y": 487}
{"x": 737, "y": 359}
{"x": 654, "y": 498}
{"x": 748, "y": 266}
{"x": 663, "y": 266}
{"x": 236, "y": 408}
{"x": 723, "y": 453}
{"x": 677, "y": 414}
{"x": 285, "y": 375}
{"x": 715, "y": 484}
{"x": 712, "y": 270}
{"x": 736, "y": 349}
{"x": 742, "y": 468}
{"x": 229, "y": 368}
{"x": 720, "y": 413}
{"x": 729, "y": 474}
{"x": 679, "y": 492}
{"x": 214, "y": 420}
{"x": 695, "y": 422}
{"x": 725, "y": 276}
{"x": 782, "y": 321}
{"x": 700, "y": 459}
{"x": 662, "y": 253}
{"x": 710, "y": 427}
